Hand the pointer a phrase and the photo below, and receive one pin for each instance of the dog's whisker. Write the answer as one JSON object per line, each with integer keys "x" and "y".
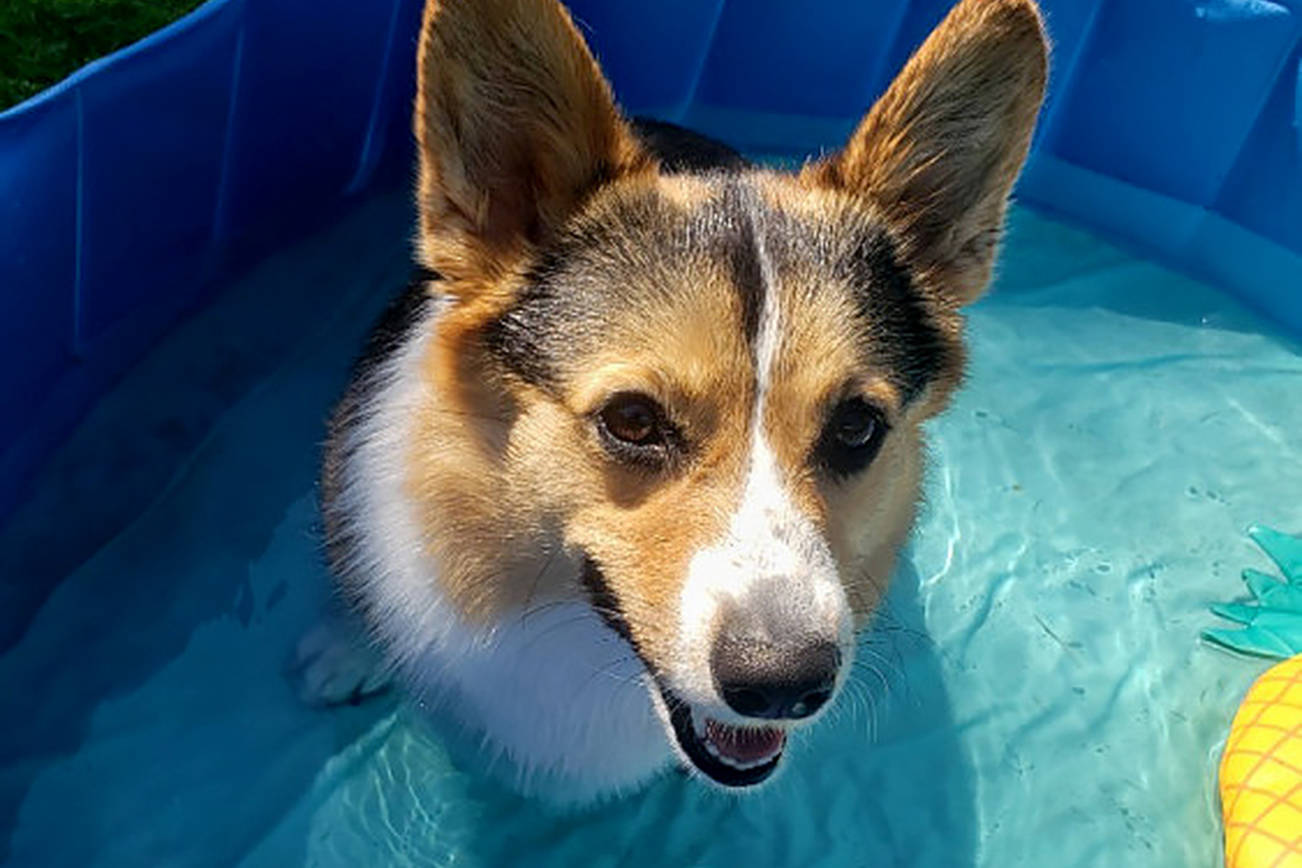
{"x": 533, "y": 587}
{"x": 607, "y": 671}
{"x": 863, "y": 698}
{"x": 621, "y": 683}
{"x": 538, "y": 609}
{"x": 895, "y": 668}
{"x": 553, "y": 628}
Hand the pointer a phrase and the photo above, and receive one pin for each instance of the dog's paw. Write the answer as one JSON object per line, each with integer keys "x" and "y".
{"x": 334, "y": 665}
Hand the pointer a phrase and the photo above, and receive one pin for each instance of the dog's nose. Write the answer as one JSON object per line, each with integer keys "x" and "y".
{"x": 774, "y": 681}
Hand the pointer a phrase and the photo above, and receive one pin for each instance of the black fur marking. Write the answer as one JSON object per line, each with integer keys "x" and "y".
{"x": 387, "y": 335}
{"x": 681, "y": 150}
{"x": 748, "y": 277}
{"x": 519, "y": 337}
{"x": 902, "y": 327}
{"x": 577, "y": 288}
{"x": 605, "y": 603}
{"x": 545, "y": 319}
{"x": 739, "y": 210}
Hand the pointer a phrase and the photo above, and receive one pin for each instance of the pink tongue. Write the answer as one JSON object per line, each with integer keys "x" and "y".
{"x": 744, "y": 743}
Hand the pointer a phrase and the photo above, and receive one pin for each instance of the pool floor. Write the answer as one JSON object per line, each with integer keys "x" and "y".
{"x": 1035, "y": 692}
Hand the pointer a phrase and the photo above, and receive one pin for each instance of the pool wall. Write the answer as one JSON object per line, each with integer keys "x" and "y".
{"x": 130, "y": 192}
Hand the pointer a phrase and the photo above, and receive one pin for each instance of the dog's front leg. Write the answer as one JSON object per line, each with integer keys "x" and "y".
{"x": 335, "y": 664}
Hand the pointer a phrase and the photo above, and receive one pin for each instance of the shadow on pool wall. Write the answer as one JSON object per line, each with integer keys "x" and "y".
{"x": 135, "y": 191}
{"x": 228, "y": 484}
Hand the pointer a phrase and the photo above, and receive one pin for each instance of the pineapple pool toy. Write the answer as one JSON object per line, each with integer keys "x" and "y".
{"x": 1261, "y": 769}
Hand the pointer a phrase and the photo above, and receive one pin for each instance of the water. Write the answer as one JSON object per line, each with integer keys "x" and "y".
{"x": 1037, "y": 693}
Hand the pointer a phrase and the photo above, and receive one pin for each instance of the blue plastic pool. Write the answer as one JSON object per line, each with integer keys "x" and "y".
{"x": 1038, "y": 695}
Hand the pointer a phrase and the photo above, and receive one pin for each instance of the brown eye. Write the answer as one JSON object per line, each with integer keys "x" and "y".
{"x": 855, "y": 424}
{"x": 634, "y": 429}
{"x": 632, "y": 419}
{"x": 851, "y": 438}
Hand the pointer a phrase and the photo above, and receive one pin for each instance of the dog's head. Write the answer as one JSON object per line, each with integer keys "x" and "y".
{"x": 707, "y": 387}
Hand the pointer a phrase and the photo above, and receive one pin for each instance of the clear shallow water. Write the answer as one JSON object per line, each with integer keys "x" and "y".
{"x": 1038, "y": 695}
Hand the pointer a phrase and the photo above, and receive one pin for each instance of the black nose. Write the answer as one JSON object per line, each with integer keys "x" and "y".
{"x": 784, "y": 680}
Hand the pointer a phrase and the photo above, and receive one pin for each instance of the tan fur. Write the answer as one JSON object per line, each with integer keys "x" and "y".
{"x": 515, "y": 126}
{"x": 518, "y": 134}
{"x": 551, "y": 480}
{"x": 940, "y": 150}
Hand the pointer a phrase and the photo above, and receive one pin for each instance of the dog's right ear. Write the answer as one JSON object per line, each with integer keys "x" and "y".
{"x": 515, "y": 126}
{"x": 939, "y": 152}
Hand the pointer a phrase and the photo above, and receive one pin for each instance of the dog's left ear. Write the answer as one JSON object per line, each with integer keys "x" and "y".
{"x": 939, "y": 152}
{"x": 515, "y": 126}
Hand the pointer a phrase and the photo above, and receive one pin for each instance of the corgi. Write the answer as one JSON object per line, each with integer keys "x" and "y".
{"x": 619, "y": 477}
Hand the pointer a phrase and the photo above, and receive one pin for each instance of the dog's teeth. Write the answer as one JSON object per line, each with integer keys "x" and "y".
{"x": 740, "y": 766}
{"x": 713, "y": 750}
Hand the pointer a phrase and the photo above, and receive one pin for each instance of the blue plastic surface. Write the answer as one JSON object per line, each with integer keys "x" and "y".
{"x": 130, "y": 192}
{"x": 1040, "y": 631}
{"x": 1166, "y": 91}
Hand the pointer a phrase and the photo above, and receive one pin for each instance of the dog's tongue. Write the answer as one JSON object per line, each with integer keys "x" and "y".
{"x": 744, "y": 744}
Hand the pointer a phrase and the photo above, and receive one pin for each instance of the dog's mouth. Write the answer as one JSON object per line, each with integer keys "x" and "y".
{"x": 732, "y": 756}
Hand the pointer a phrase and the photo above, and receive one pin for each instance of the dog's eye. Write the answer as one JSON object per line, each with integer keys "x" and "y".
{"x": 634, "y": 428}
{"x": 852, "y": 437}
{"x": 632, "y": 419}
{"x": 855, "y": 424}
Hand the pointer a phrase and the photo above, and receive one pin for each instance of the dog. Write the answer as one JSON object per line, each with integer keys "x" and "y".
{"x": 619, "y": 477}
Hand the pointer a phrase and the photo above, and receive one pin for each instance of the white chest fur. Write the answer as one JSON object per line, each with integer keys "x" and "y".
{"x": 551, "y": 689}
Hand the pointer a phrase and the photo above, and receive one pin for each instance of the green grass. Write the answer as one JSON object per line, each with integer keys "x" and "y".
{"x": 41, "y": 41}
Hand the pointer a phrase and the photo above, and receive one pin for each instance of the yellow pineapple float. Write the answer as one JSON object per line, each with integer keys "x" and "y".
{"x": 1261, "y": 773}
{"x": 1261, "y": 769}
